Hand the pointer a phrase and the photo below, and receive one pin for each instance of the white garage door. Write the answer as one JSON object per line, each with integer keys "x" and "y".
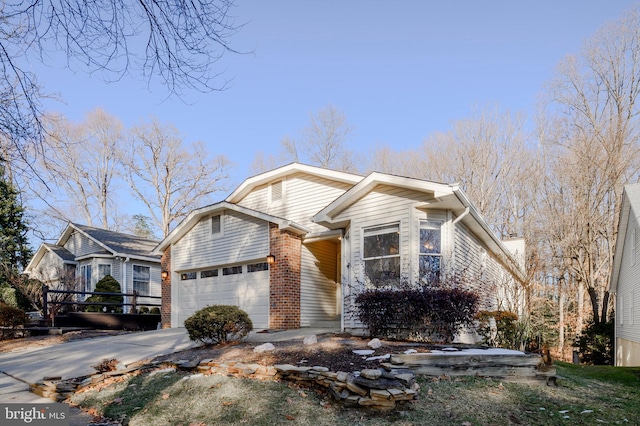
{"x": 232, "y": 286}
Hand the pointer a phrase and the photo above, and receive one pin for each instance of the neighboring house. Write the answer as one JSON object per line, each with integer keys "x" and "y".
{"x": 625, "y": 279}
{"x": 87, "y": 254}
{"x": 292, "y": 246}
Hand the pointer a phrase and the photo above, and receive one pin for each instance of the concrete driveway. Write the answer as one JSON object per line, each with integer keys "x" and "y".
{"x": 74, "y": 359}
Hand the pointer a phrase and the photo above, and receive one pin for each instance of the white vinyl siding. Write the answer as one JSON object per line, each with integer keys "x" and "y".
{"x": 481, "y": 271}
{"x": 627, "y": 326}
{"x": 304, "y": 196}
{"x": 80, "y": 245}
{"x": 318, "y": 287}
{"x": 245, "y": 238}
{"x": 383, "y": 205}
{"x": 49, "y": 268}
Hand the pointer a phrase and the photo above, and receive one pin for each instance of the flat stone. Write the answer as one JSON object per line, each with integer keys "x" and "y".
{"x": 363, "y": 352}
{"x": 379, "y": 394}
{"x": 319, "y": 368}
{"x": 374, "y": 343}
{"x": 288, "y": 368}
{"x": 372, "y": 374}
{"x": 378, "y": 383}
{"x": 353, "y": 387}
{"x": 310, "y": 340}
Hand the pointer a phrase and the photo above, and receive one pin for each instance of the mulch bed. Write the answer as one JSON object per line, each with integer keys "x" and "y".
{"x": 332, "y": 351}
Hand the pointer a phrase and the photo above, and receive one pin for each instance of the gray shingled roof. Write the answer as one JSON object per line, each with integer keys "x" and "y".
{"x": 118, "y": 242}
{"x": 61, "y": 252}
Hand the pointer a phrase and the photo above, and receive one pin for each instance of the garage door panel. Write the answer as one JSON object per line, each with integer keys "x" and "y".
{"x": 249, "y": 291}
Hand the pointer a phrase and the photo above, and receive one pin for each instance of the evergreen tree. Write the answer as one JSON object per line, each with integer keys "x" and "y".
{"x": 15, "y": 251}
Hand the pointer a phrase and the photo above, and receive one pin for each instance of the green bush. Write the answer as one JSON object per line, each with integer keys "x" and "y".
{"x": 11, "y": 318}
{"x": 509, "y": 333}
{"x": 155, "y": 311}
{"x": 595, "y": 345}
{"x": 108, "y": 284}
{"x": 421, "y": 312}
{"x": 218, "y": 324}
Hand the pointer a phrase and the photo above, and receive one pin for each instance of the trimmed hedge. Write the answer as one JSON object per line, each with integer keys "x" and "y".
{"x": 218, "y": 324}
{"x": 435, "y": 314}
{"x": 108, "y": 284}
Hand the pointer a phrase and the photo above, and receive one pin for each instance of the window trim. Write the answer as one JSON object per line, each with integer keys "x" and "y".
{"x": 422, "y": 224}
{"x": 103, "y": 265}
{"x": 377, "y": 229}
{"x": 280, "y": 200}
{"x": 133, "y": 279}
{"x": 220, "y": 233}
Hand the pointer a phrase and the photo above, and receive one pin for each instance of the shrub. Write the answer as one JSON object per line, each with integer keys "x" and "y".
{"x": 11, "y": 318}
{"x": 108, "y": 284}
{"x": 508, "y": 331}
{"x": 143, "y": 310}
{"x": 106, "y": 365}
{"x": 218, "y": 324}
{"x": 424, "y": 312}
{"x": 596, "y": 344}
{"x": 155, "y": 311}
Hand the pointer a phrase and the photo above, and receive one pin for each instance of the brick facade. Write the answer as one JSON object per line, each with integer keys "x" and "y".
{"x": 284, "y": 275}
{"x": 165, "y": 309}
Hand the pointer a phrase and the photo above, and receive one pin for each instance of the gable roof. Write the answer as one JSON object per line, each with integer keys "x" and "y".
{"x": 62, "y": 253}
{"x": 630, "y": 206}
{"x": 445, "y": 196}
{"x": 196, "y": 215}
{"x": 250, "y": 183}
{"x": 114, "y": 243}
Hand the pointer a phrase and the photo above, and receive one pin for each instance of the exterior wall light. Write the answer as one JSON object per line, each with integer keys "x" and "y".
{"x": 164, "y": 274}
{"x": 271, "y": 259}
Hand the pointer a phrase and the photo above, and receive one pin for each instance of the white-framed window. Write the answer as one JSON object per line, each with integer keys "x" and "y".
{"x": 381, "y": 255}
{"x": 257, "y": 267}
{"x": 186, "y": 276}
{"x": 232, "y": 270}
{"x": 430, "y": 251}
{"x": 209, "y": 273}
{"x": 86, "y": 278}
{"x": 141, "y": 279}
{"x": 103, "y": 270}
{"x": 217, "y": 227}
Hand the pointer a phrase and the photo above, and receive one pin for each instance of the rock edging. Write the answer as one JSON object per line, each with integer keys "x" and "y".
{"x": 382, "y": 388}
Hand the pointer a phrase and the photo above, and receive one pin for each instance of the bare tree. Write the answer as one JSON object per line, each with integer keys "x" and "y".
{"x": 488, "y": 155}
{"x": 323, "y": 142}
{"x": 82, "y": 160}
{"x": 177, "y": 42}
{"x": 595, "y": 149}
{"x": 169, "y": 177}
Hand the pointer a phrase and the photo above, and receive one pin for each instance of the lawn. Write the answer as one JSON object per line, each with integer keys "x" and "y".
{"x": 584, "y": 395}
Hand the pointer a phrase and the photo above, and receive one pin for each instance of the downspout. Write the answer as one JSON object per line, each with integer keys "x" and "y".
{"x": 462, "y": 215}
{"x": 453, "y": 231}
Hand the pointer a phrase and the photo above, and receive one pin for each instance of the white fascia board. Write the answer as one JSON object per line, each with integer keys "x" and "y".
{"x": 37, "y": 257}
{"x": 623, "y": 223}
{"x": 367, "y": 184}
{"x": 321, "y": 236}
{"x": 250, "y": 183}
{"x": 490, "y": 238}
{"x": 194, "y": 217}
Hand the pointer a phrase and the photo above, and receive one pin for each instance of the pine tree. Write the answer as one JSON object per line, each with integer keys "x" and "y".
{"x": 15, "y": 251}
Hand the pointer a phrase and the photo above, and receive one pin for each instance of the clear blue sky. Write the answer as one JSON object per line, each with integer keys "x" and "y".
{"x": 399, "y": 70}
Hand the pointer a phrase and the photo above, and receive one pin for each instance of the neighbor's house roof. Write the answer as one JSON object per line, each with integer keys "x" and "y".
{"x": 630, "y": 206}
{"x": 444, "y": 196}
{"x": 196, "y": 215}
{"x": 114, "y": 244}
